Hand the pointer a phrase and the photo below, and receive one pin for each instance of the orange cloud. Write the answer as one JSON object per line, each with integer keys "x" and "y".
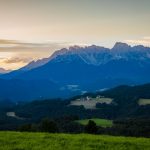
{"x": 15, "y": 54}
{"x": 17, "y": 60}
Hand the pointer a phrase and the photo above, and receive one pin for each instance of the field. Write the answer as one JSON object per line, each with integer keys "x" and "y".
{"x": 144, "y": 101}
{"x": 45, "y": 141}
{"x": 90, "y": 103}
{"x": 99, "y": 122}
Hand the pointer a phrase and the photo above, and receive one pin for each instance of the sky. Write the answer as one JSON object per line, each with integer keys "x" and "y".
{"x": 33, "y": 29}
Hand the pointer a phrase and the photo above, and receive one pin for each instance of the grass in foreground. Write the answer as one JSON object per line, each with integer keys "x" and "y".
{"x": 99, "y": 122}
{"x": 45, "y": 141}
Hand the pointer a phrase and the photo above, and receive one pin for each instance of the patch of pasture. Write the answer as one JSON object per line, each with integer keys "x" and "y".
{"x": 99, "y": 122}
{"x": 143, "y": 101}
{"x": 90, "y": 103}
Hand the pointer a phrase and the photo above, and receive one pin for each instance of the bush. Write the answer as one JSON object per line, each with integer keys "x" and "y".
{"x": 91, "y": 127}
{"x": 48, "y": 126}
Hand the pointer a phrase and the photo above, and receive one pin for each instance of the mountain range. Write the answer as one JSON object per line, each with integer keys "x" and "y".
{"x": 78, "y": 70}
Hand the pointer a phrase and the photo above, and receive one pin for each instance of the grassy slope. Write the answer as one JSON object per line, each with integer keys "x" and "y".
{"x": 45, "y": 141}
{"x": 99, "y": 122}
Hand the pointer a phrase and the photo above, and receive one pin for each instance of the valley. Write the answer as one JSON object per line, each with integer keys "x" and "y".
{"x": 114, "y": 109}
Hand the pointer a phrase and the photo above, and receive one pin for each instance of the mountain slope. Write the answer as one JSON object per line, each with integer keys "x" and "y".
{"x": 30, "y": 66}
{"x": 89, "y": 64}
{"x": 90, "y": 68}
{"x": 25, "y": 90}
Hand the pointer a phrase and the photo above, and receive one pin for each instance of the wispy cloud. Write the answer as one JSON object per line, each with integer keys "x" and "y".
{"x": 142, "y": 41}
{"x": 15, "y": 54}
{"x": 17, "y": 60}
{"x": 14, "y": 43}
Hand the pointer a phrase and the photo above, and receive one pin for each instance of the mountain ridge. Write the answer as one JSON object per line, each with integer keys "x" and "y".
{"x": 89, "y": 68}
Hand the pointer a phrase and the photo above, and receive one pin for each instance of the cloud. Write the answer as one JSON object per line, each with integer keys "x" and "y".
{"x": 142, "y": 41}
{"x": 3, "y": 41}
{"x": 14, "y": 43}
{"x": 9, "y": 43}
{"x": 17, "y": 60}
{"x": 15, "y": 54}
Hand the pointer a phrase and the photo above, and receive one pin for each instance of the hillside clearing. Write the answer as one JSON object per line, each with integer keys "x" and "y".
{"x": 99, "y": 122}
{"x": 90, "y": 103}
{"x": 143, "y": 101}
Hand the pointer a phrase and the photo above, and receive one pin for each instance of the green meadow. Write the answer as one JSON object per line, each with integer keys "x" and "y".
{"x": 143, "y": 101}
{"x": 99, "y": 122}
{"x": 46, "y": 141}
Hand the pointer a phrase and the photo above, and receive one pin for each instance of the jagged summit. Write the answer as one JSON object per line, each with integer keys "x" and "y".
{"x": 88, "y": 68}
{"x": 120, "y": 46}
{"x": 93, "y": 55}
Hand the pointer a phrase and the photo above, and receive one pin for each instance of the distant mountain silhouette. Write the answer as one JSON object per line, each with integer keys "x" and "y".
{"x": 88, "y": 69}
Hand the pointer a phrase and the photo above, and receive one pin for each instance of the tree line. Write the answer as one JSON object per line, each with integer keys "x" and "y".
{"x": 125, "y": 127}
